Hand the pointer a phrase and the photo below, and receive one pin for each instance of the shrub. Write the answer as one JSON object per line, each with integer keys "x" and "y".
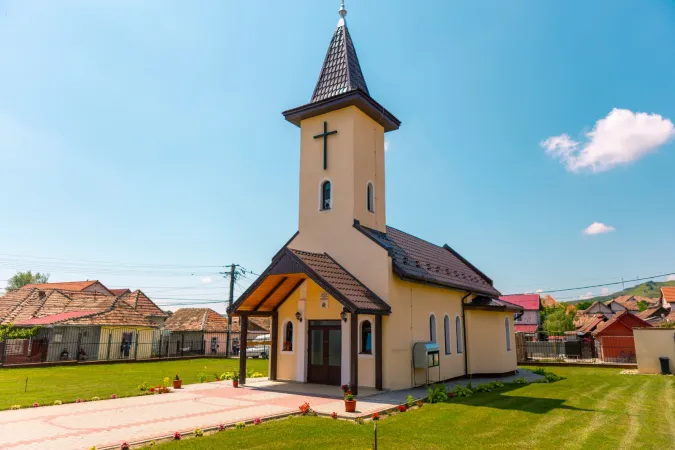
{"x": 437, "y": 393}
{"x": 461, "y": 391}
{"x": 143, "y": 387}
{"x": 333, "y": 415}
{"x": 420, "y": 403}
{"x": 176, "y": 436}
{"x": 482, "y": 388}
{"x": 167, "y": 381}
{"x": 198, "y": 432}
{"x": 113, "y": 396}
{"x": 249, "y": 373}
{"x": 410, "y": 401}
{"x": 402, "y": 408}
{"x": 539, "y": 371}
{"x": 257, "y": 375}
{"x": 496, "y": 384}
{"x": 15, "y": 407}
{"x": 58, "y": 402}
{"x": 257, "y": 421}
{"x": 552, "y": 377}
{"x": 240, "y": 425}
{"x": 520, "y": 381}
{"x": 95, "y": 399}
{"x": 201, "y": 376}
{"x": 227, "y": 376}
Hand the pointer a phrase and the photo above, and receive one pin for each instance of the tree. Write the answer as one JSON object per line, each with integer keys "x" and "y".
{"x": 9, "y": 331}
{"x": 20, "y": 279}
{"x": 642, "y": 305}
{"x": 583, "y": 305}
{"x": 559, "y": 321}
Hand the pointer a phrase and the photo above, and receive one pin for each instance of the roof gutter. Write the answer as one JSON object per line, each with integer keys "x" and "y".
{"x": 466, "y": 350}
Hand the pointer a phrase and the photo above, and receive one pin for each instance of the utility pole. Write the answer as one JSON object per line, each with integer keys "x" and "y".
{"x": 233, "y": 273}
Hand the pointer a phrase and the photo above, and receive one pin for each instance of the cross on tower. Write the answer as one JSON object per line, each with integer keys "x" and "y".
{"x": 325, "y": 135}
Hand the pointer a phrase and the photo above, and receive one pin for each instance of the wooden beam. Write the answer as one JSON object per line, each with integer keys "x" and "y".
{"x": 270, "y": 293}
{"x": 275, "y": 345}
{"x": 378, "y": 352}
{"x": 242, "y": 348}
{"x": 354, "y": 354}
{"x": 297, "y": 285}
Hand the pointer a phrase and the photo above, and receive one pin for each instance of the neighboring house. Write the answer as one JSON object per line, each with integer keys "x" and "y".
{"x": 146, "y": 307}
{"x": 628, "y": 303}
{"x": 530, "y": 320}
{"x": 203, "y": 331}
{"x": 668, "y": 296}
{"x": 597, "y": 308}
{"x": 81, "y": 286}
{"x": 587, "y": 323}
{"x": 349, "y": 297}
{"x": 616, "y": 337}
{"x": 80, "y": 325}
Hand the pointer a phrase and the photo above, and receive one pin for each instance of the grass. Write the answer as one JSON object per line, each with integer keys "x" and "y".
{"x": 67, "y": 383}
{"x": 593, "y": 408}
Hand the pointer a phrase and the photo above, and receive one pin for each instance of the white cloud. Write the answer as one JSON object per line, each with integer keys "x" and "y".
{"x": 598, "y": 228}
{"x": 622, "y": 137}
{"x": 538, "y": 291}
{"x": 586, "y": 296}
{"x": 604, "y": 291}
{"x": 670, "y": 278}
{"x": 386, "y": 145}
{"x": 207, "y": 280}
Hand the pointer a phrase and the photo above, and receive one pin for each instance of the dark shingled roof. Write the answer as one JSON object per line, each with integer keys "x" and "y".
{"x": 489, "y": 303}
{"x": 341, "y": 71}
{"x": 416, "y": 259}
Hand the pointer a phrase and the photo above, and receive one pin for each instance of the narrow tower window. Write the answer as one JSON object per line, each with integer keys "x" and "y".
{"x": 432, "y": 328}
{"x": 370, "y": 197}
{"x": 325, "y": 196}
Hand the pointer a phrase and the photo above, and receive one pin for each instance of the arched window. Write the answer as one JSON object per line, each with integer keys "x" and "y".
{"x": 366, "y": 337}
{"x": 288, "y": 337}
{"x": 370, "y": 197}
{"x": 432, "y": 328}
{"x": 458, "y": 334}
{"x": 507, "y": 330}
{"x": 446, "y": 333}
{"x": 325, "y": 196}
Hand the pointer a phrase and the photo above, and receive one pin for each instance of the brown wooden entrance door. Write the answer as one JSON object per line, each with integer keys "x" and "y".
{"x": 325, "y": 352}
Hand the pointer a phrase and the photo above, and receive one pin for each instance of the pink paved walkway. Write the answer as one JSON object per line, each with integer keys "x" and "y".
{"x": 110, "y": 422}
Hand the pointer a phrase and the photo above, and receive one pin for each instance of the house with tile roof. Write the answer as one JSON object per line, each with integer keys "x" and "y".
{"x": 75, "y": 325}
{"x": 629, "y": 303}
{"x": 668, "y": 296}
{"x": 204, "y": 331}
{"x": 348, "y": 295}
{"x": 549, "y": 301}
{"x": 615, "y": 336}
{"x": 143, "y": 305}
{"x": 81, "y": 286}
{"x": 530, "y": 320}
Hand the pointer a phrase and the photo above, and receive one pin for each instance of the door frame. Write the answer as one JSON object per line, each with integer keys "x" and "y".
{"x": 331, "y": 372}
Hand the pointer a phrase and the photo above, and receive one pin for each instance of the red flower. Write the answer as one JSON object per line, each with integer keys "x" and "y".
{"x": 36, "y": 404}
{"x": 79, "y": 400}
{"x": 151, "y": 390}
{"x": 333, "y": 415}
{"x": 114, "y": 396}
{"x": 376, "y": 416}
{"x": 402, "y": 408}
{"x": 176, "y": 436}
{"x": 221, "y": 427}
{"x": 257, "y": 421}
{"x": 305, "y": 408}
{"x": 124, "y": 446}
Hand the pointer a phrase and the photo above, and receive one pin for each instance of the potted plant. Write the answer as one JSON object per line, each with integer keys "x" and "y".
{"x": 177, "y": 382}
{"x": 235, "y": 379}
{"x": 350, "y": 401}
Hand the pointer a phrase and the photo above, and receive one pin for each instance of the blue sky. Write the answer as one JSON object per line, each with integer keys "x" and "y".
{"x": 141, "y": 143}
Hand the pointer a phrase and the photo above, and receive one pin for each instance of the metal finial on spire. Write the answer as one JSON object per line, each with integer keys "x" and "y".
{"x": 342, "y": 11}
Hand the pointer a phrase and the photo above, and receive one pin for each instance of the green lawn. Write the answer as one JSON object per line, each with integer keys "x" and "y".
{"x": 67, "y": 383}
{"x": 594, "y": 408}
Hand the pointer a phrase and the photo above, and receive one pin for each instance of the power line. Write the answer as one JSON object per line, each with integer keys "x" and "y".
{"x": 606, "y": 284}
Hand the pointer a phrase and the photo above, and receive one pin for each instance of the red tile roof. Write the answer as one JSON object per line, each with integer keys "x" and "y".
{"x": 529, "y": 302}
{"x": 66, "y": 285}
{"x": 549, "y": 301}
{"x": 622, "y": 318}
{"x": 196, "y": 319}
{"x": 586, "y": 323}
{"x": 668, "y": 293}
{"x": 142, "y": 303}
{"x": 118, "y": 292}
{"x": 525, "y": 328}
{"x": 54, "y": 318}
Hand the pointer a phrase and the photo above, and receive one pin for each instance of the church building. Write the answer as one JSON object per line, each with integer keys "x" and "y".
{"x": 352, "y": 300}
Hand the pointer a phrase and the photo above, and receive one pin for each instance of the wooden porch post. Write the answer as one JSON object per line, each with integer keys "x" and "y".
{"x": 243, "y": 319}
{"x": 275, "y": 345}
{"x": 378, "y": 352}
{"x": 354, "y": 354}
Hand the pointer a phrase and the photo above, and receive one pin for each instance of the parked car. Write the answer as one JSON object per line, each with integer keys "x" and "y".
{"x": 258, "y": 347}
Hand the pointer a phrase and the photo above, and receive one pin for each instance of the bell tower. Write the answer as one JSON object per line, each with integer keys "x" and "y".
{"x": 342, "y": 129}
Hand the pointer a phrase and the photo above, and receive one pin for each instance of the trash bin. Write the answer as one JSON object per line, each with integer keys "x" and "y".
{"x": 665, "y": 365}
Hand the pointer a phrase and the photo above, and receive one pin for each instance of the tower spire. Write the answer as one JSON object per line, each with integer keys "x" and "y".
{"x": 343, "y": 13}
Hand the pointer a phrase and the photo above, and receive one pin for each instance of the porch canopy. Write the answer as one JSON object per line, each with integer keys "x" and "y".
{"x": 289, "y": 268}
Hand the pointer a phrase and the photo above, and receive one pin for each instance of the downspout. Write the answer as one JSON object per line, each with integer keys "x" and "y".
{"x": 466, "y": 350}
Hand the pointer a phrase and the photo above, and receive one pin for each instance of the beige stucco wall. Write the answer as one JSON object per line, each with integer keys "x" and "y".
{"x": 286, "y": 361}
{"x": 412, "y": 305}
{"x": 486, "y": 342}
{"x": 652, "y": 343}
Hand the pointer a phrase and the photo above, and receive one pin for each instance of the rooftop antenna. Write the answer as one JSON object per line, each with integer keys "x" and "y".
{"x": 342, "y": 12}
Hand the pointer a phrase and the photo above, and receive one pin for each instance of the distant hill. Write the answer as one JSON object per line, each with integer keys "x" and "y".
{"x": 650, "y": 289}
